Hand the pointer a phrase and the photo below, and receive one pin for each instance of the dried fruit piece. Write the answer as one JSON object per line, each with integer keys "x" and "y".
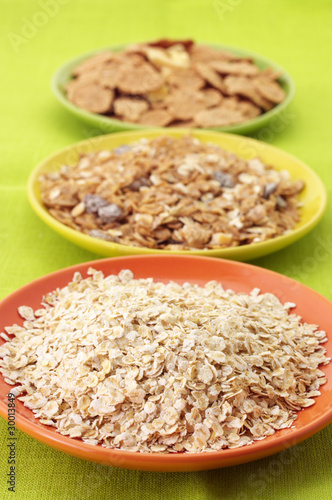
{"x": 174, "y": 57}
{"x": 165, "y": 43}
{"x": 93, "y": 202}
{"x": 138, "y": 183}
{"x": 220, "y": 240}
{"x": 158, "y": 95}
{"x": 124, "y": 148}
{"x": 225, "y": 180}
{"x": 110, "y": 213}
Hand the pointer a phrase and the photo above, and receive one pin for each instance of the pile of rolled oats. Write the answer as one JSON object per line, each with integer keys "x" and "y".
{"x": 152, "y": 367}
{"x": 174, "y": 83}
{"x": 174, "y": 194}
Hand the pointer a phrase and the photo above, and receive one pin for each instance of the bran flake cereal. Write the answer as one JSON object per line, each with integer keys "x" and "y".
{"x": 139, "y": 84}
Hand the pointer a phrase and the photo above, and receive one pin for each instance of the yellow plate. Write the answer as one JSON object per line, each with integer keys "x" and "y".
{"x": 313, "y": 197}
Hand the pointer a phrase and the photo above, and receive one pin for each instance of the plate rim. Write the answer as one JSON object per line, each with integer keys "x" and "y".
{"x": 166, "y": 462}
{"x": 111, "y": 248}
{"x": 110, "y": 124}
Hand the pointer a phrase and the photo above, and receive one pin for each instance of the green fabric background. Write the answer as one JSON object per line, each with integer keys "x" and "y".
{"x": 296, "y": 34}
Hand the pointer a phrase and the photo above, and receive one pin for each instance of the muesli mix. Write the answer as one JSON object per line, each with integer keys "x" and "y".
{"x": 173, "y": 194}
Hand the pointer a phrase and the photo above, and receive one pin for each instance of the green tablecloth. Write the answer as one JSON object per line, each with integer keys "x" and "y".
{"x": 38, "y": 36}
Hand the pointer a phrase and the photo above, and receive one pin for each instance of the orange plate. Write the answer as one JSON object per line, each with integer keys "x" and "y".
{"x": 238, "y": 276}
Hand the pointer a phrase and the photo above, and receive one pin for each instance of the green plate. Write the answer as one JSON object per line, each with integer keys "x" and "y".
{"x": 313, "y": 197}
{"x": 105, "y": 124}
